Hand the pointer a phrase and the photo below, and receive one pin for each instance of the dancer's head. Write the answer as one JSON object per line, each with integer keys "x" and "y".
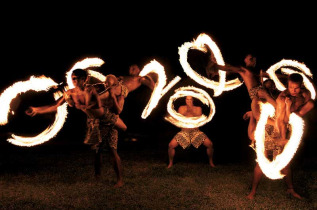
{"x": 134, "y": 70}
{"x": 111, "y": 80}
{"x": 250, "y": 60}
{"x": 79, "y": 77}
{"x": 294, "y": 84}
{"x": 269, "y": 84}
{"x": 189, "y": 101}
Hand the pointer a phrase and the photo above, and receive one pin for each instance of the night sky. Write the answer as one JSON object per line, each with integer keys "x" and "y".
{"x": 50, "y": 43}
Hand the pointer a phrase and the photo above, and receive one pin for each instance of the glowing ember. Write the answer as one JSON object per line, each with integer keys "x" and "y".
{"x": 84, "y": 64}
{"x": 159, "y": 89}
{"x": 199, "y": 44}
{"x": 182, "y": 121}
{"x": 292, "y": 63}
{"x": 272, "y": 169}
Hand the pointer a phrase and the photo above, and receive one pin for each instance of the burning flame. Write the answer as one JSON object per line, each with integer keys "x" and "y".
{"x": 199, "y": 44}
{"x": 47, "y": 134}
{"x": 34, "y": 83}
{"x": 37, "y": 84}
{"x": 84, "y": 64}
{"x": 159, "y": 89}
{"x": 295, "y": 64}
{"x": 189, "y": 122}
{"x": 272, "y": 169}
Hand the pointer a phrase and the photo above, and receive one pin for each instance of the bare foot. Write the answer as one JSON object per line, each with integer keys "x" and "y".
{"x": 118, "y": 184}
{"x": 251, "y": 196}
{"x": 170, "y": 165}
{"x": 294, "y": 194}
{"x": 212, "y": 164}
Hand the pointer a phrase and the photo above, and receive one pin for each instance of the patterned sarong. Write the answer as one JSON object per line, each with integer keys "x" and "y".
{"x": 187, "y": 137}
{"x": 253, "y": 92}
{"x": 102, "y": 129}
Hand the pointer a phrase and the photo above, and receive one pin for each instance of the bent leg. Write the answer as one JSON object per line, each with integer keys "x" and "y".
{"x": 120, "y": 124}
{"x": 264, "y": 94}
{"x": 171, "y": 152}
{"x": 251, "y": 126}
{"x": 280, "y": 116}
{"x": 208, "y": 144}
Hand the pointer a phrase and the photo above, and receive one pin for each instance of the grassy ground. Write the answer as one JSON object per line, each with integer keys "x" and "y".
{"x": 34, "y": 178}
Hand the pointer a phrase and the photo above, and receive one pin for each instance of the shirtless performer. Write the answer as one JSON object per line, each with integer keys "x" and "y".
{"x": 294, "y": 99}
{"x": 113, "y": 99}
{"x": 188, "y": 136}
{"x": 134, "y": 81}
{"x": 81, "y": 97}
{"x": 252, "y": 81}
{"x": 88, "y": 100}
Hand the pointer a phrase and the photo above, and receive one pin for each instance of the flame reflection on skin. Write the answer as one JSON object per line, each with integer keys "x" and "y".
{"x": 295, "y": 64}
{"x": 180, "y": 120}
{"x": 37, "y": 84}
{"x": 272, "y": 169}
{"x": 159, "y": 90}
{"x": 199, "y": 44}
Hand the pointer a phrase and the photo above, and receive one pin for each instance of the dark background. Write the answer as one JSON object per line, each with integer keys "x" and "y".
{"x": 50, "y": 40}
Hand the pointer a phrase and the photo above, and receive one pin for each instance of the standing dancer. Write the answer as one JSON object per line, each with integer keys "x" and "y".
{"x": 294, "y": 99}
{"x": 85, "y": 98}
{"x": 190, "y": 136}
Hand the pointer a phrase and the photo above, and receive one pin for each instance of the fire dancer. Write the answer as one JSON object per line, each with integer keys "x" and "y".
{"x": 270, "y": 87}
{"x": 113, "y": 99}
{"x": 293, "y": 99}
{"x": 190, "y": 136}
{"x": 252, "y": 80}
{"x": 86, "y": 98}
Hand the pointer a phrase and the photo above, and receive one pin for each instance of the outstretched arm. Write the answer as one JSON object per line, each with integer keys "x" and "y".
{"x": 32, "y": 111}
{"x": 226, "y": 67}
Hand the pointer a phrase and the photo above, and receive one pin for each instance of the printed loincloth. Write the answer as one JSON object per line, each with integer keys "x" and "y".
{"x": 124, "y": 89}
{"x": 253, "y": 92}
{"x": 101, "y": 130}
{"x": 271, "y": 138}
{"x": 187, "y": 137}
